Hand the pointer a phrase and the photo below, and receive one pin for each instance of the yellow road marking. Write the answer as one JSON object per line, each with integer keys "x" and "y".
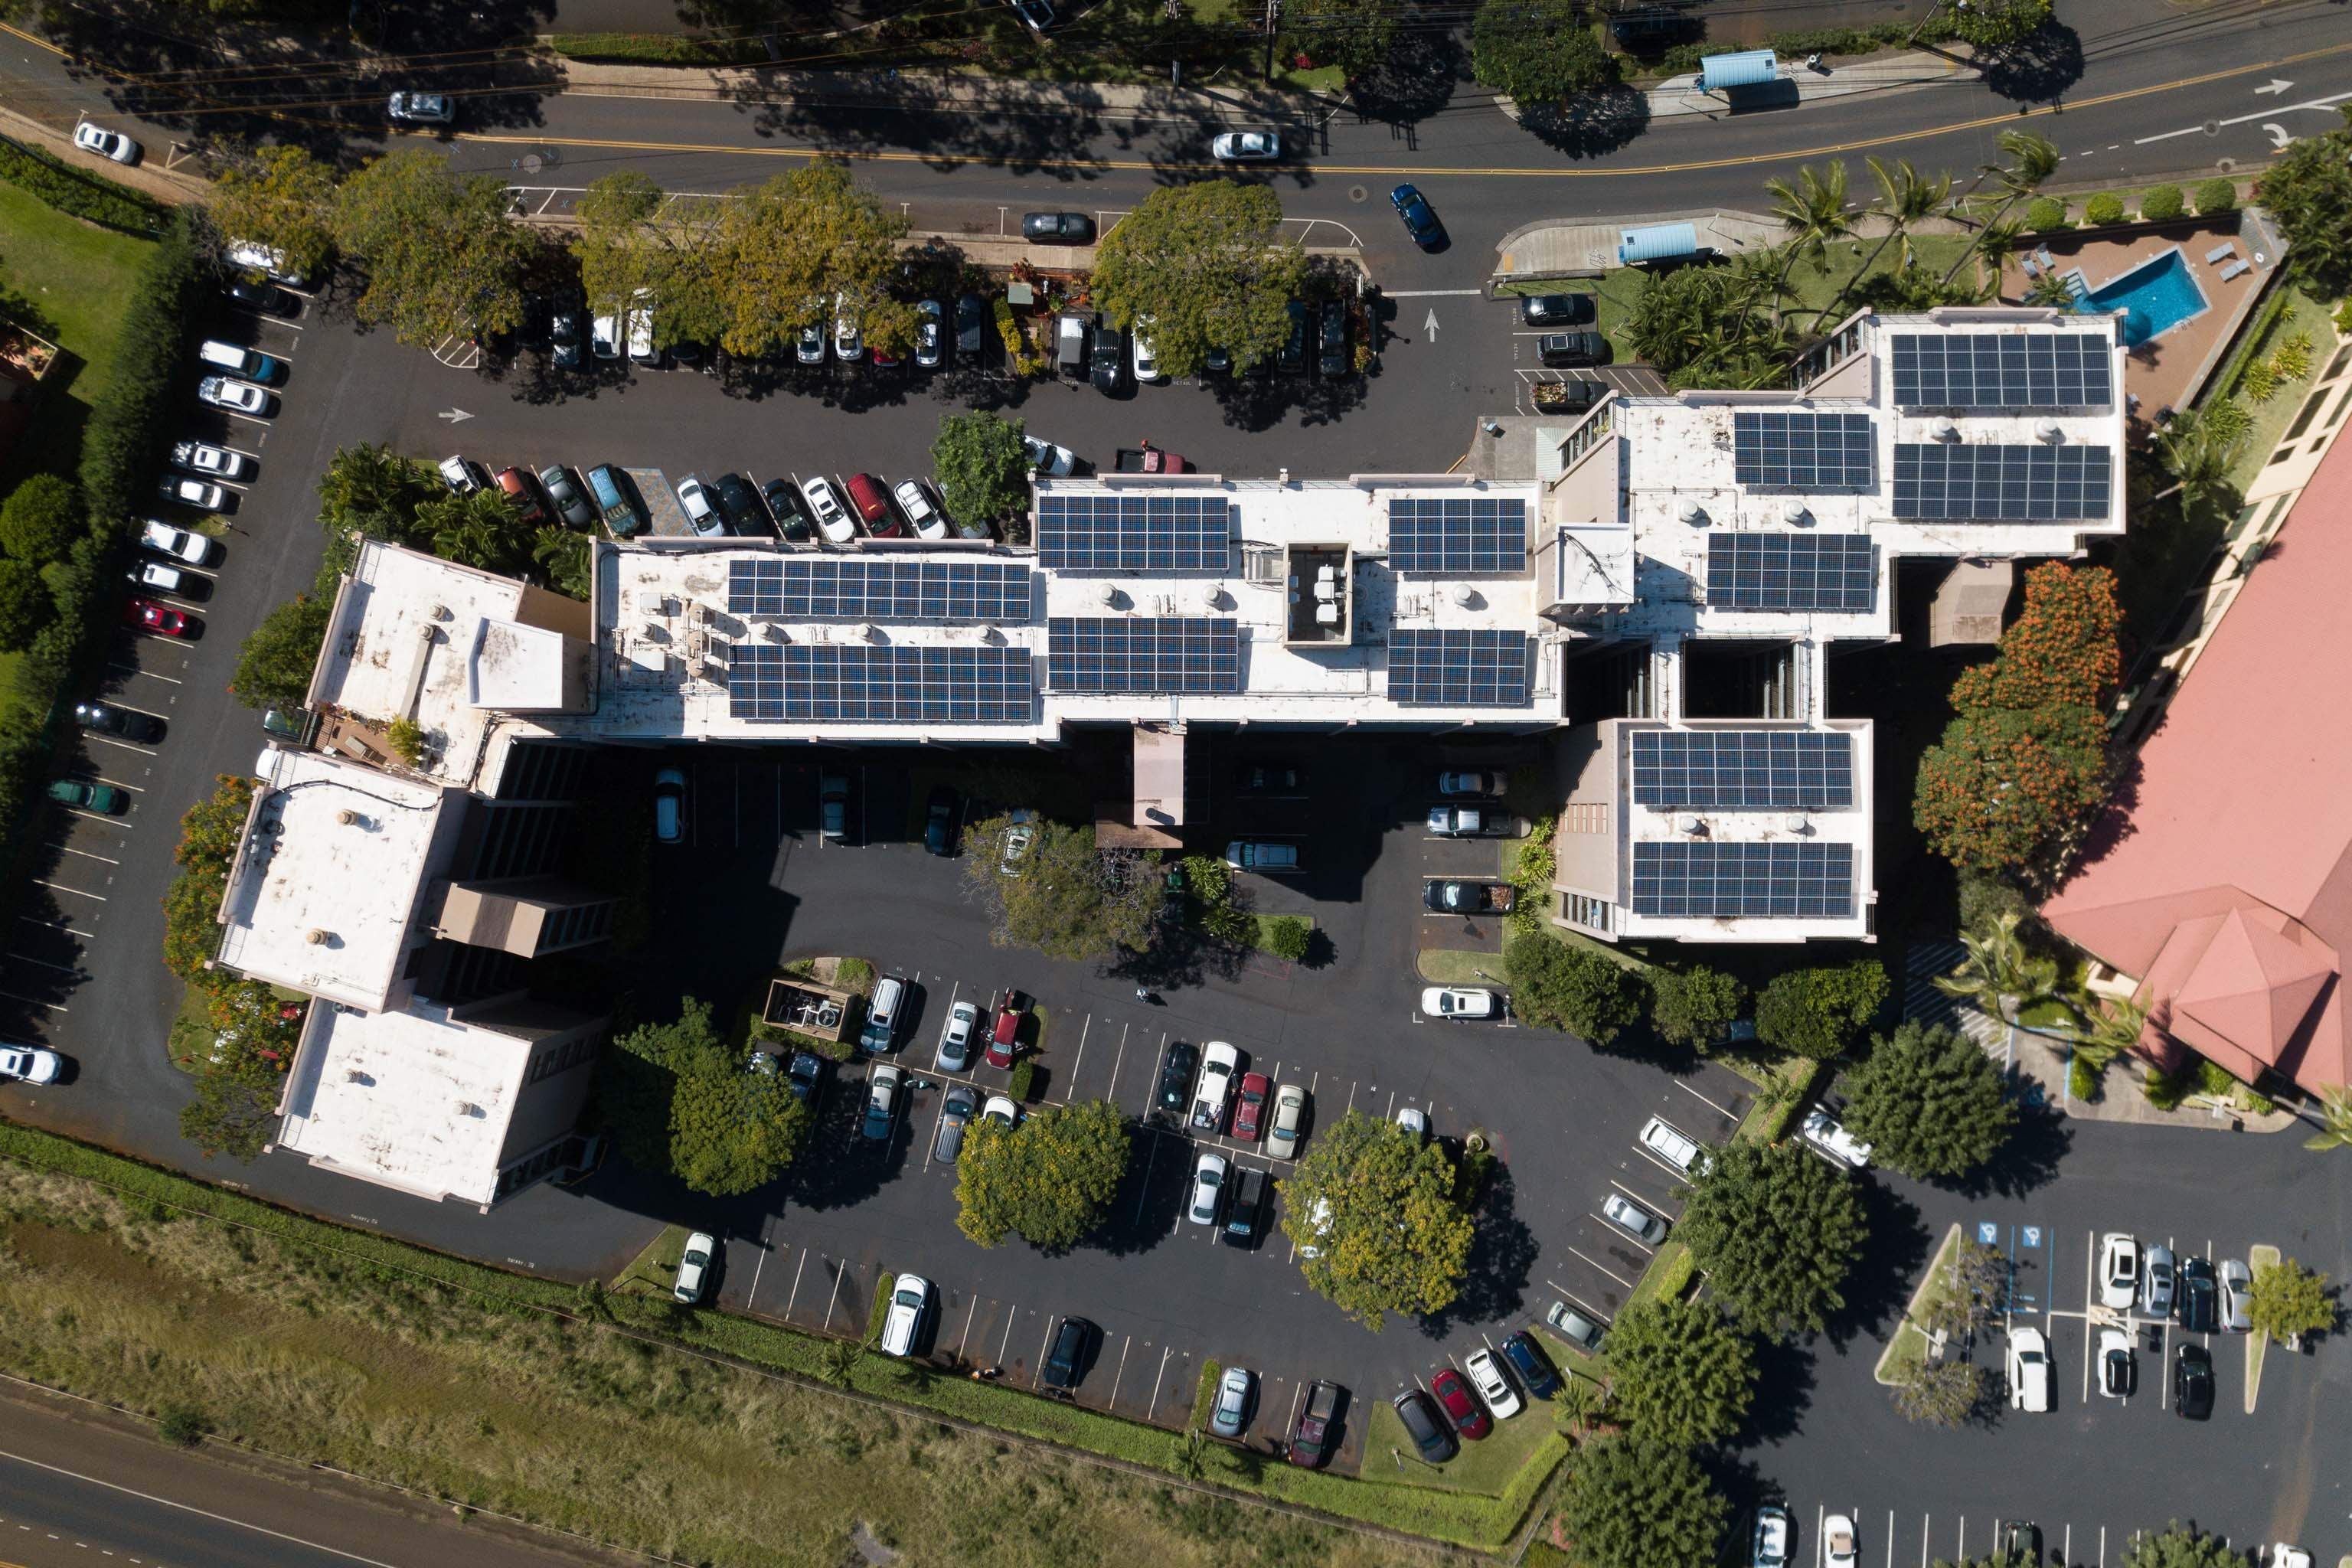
{"x": 38, "y": 43}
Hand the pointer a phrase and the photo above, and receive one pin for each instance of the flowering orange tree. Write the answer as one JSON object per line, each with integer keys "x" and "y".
{"x": 2062, "y": 648}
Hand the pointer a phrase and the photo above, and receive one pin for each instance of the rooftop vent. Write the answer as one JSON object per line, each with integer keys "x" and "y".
{"x": 1690, "y": 511}
{"x": 1797, "y": 822}
{"x": 1111, "y": 592}
{"x": 444, "y": 612}
{"x": 2048, "y": 431}
{"x": 1945, "y": 430}
{"x": 1463, "y": 594}
{"x": 1798, "y": 514}
{"x": 347, "y": 816}
{"x": 1690, "y": 825}
{"x": 317, "y": 937}
{"x": 467, "y": 1108}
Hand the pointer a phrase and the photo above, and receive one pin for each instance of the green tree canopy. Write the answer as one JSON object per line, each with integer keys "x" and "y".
{"x": 1694, "y": 1006}
{"x": 2307, "y": 190}
{"x": 24, "y": 606}
{"x": 1816, "y": 1012}
{"x": 788, "y": 247}
{"x": 41, "y": 520}
{"x": 442, "y": 254}
{"x": 1556, "y": 987}
{"x": 1206, "y": 265}
{"x": 1051, "y": 1178}
{"x": 2183, "y": 1546}
{"x": 274, "y": 666}
{"x": 2002, "y": 781}
{"x": 481, "y": 528}
{"x": 1998, "y": 24}
{"x": 228, "y": 1117}
{"x": 2289, "y": 1300}
{"x": 1354, "y": 34}
{"x": 1629, "y": 1504}
{"x": 561, "y": 557}
{"x": 369, "y": 480}
{"x": 1944, "y": 1393}
{"x": 683, "y": 1101}
{"x": 1929, "y": 1102}
{"x": 1540, "y": 53}
{"x": 1068, "y": 899}
{"x": 279, "y": 197}
{"x": 982, "y": 466}
{"x": 1777, "y": 1229}
{"x": 1711, "y": 326}
{"x": 1375, "y": 1209}
{"x": 1684, "y": 1376}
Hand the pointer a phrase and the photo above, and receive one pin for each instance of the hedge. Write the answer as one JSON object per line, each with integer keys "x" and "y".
{"x": 2163, "y": 203}
{"x": 2104, "y": 208}
{"x": 2043, "y": 213}
{"x": 78, "y": 192}
{"x": 2216, "y": 196}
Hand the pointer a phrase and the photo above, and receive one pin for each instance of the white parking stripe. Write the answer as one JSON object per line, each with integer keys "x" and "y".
{"x": 61, "y": 887}
{"x": 86, "y": 854}
{"x": 134, "y": 669}
{"x": 53, "y": 925}
{"x": 30, "y": 1002}
{"x": 1603, "y": 1268}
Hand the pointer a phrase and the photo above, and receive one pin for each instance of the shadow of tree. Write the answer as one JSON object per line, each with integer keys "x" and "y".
{"x": 1786, "y": 1376}
{"x": 1591, "y": 124}
{"x": 1502, "y": 1257}
{"x": 1420, "y": 77}
{"x": 2028, "y": 1160}
{"x": 1881, "y": 1284}
{"x": 2039, "y": 68}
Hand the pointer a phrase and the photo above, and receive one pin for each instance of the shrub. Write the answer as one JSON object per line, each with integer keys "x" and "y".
{"x": 1815, "y": 1012}
{"x": 1022, "y": 1079}
{"x": 2104, "y": 208}
{"x": 2226, "y": 420}
{"x": 1288, "y": 936}
{"x": 2043, "y": 213}
{"x": 1556, "y": 987}
{"x": 2260, "y": 382}
{"x": 2162, "y": 203}
{"x": 41, "y": 520}
{"x": 78, "y": 192}
{"x": 2293, "y": 360}
{"x": 407, "y": 740}
{"x": 2082, "y": 1079}
{"x": 2216, "y": 196}
{"x": 1695, "y": 1008}
{"x": 181, "y": 1425}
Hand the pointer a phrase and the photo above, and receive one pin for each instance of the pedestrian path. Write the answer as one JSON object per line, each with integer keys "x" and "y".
{"x": 1922, "y": 1000}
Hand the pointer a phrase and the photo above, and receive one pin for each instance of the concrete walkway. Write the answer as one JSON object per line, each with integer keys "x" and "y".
{"x": 1679, "y": 95}
{"x": 176, "y": 186}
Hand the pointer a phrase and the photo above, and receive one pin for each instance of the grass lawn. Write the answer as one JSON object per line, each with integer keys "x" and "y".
{"x": 1460, "y": 966}
{"x": 1907, "y": 1352}
{"x": 1667, "y": 1278}
{"x": 2047, "y": 1013}
{"x": 192, "y": 1034}
{"x": 2257, "y": 1344}
{"x": 77, "y": 277}
{"x": 2303, "y": 315}
{"x": 654, "y": 1271}
{"x": 1260, "y": 924}
{"x": 1486, "y": 1465}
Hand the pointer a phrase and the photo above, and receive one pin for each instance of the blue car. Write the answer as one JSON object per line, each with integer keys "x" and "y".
{"x": 1419, "y": 221}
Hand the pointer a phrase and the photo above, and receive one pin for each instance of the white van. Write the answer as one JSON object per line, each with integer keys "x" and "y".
{"x": 641, "y": 329}
{"x": 604, "y": 336}
{"x": 881, "y": 1030}
{"x": 1266, "y": 859}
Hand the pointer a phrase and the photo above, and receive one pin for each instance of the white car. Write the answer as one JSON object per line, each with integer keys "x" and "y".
{"x": 1768, "y": 1545}
{"x": 1208, "y": 1188}
{"x": 156, "y": 576}
{"x": 694, "y": 1268}
{"x": 910, "y": 1297}
{"x": 1838, "y": 1547}
{"x": 1147, "y": 358}
{"x": 2118, "y": 1271}
{"x": 2115, "y": 1365}
{"x": 1492, "y": 1385}
{"x": 422, "y": 108}
{"x": 1675, "y": 1147}
{"x": 1019, "y": 835}
{"x": 701, "y": 515}
{"x": 956, "y": 1038}
{"x": 203, "y": 457}
{"x": 1289, "y": 1117}
{"x": 228, "y": 392}
{"x": 1219, "y": 1062}
{"x": 669, "y": 805}
{"x": 1455, "y": 1002}
{"x": 176, "y": 543}
{"x": 1414, "y": 1124}
{"x": 197, "y": 493}
{"x": 1832, "y": 1139}
{"x": 832, "y": 516}
{"x": 1634, "y": 1220}
{"x": 1319, "y": 1225}
{"x": 95, "y": 138}
{"x": 1000, "y": 1110}
{"x": 920, "y": 515}
{"x": 847, "y": 346}
{"x": 1477, "y": 784}
{"x": 1047, "y": 459}
{"x": 2029, "y": 1371}
{"x": 2282, "y": 1555}
{"x": 1247, "y": 147}
{"x": 28, "y": 1064}
{"x": 2237, "y": 1284}
{"x": 1231, "y": 1412}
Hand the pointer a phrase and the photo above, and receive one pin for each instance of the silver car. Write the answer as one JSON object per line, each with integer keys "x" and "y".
{"x": 2237, "y": 1284}
{"x": 1634, "y": 1220}
{"x": 1575, "y": 1327}
{"x": 1247, "y": 147}
{"x": 2156, "y": 1280}
{"x": 1235, "y": 1391}
{"x": 955, "y": 1039}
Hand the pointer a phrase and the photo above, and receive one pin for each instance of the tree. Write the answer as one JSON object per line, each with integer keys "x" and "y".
{"x": 1905, "y": 200}
{"x": 562, "y": 559}
{"x": 683, "y": 1101}
{"x": 2183, "y": 1546}
{"x": 1684, "y": 1376}
{"x": 1556, "y": 987}
{"x": 1538, "y": 53}
{"x": 1777, "y": 1229}
{"x": 1702, "y": 326}
{"x": 634, "y": 235}
{"x": 480, "y": 527}
{"x": 1354, "y": 34}
{"x": 802, "y": 247}
{"x": 1630, "y": 1504}
{"x": 369, "y": 480}
{"x": 2335, "y": 1120}
{"x": 1696, "y": 1006}
{"x": 2002, "y": 781}
{"x": 1288, "y": 938}
{"x": 2032, "y": 159}
{"x": 279, "y": 197}
{"x": 1816, "y": 1012}
{"x": 2307, "y": 190}
{"x": 1068, "y": 899}
{"x": 2107, "y": 1034}
{"x": 443, "y": 253}
{"x": 1993, "y": 25}
{"x": 2288, "y": 1301}
{"x": 2062, "y": 648}
{"x": 274, "y": 666}
{"x": 1975, "y": 1289}
{"x": 1372, "y": 1214}
{"x": 1051, "y": 1178}
{"x": 2051, "y": 291}
{"x": 228, "y": 1117}
{"x": 2197, "y": 451}
{"x": 982, "y": 466}
{"x": 1812, "y": 212}
{"x": 41, "y": 520}
{"x": 1206, "y": 264}
{"x": 1997, "y": 973}
{"x": 1944, "y": 1393}
{"x": 25, "y": 606}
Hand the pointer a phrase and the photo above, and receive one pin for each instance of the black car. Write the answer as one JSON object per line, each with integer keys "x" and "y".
{"x": 1109, "y": 357}
{"x": 1420, "y": 222}
{"x": 1246, "y": 1207}
{"x": 739, "y": 506}
{"x": 939, "y": 821}
{"x": 567, "y": 331}
{"x": 791, "y": 512}
{"x": 2201, "y": 1297}
{"x": 1316, "y": 1431}
{"x": 1174, "y": 1095}
{"x": 1572, "y": 348}
{"x": 971, "y": 326}
{"x": 1556, "y": 310}
{"x": 260, "y": 294}
{"x": 1574, "y": 395}
{"x": 1291, "y": 357}
{"x": 1535, "y": 1368}
{"x": 2192, "y": 1382}
{"x": 1334, "y": 361}
{"x": 127, "y": 722}
{"x": 1217, "y": 361}
{"x": 805, "y": 1075}
{"x": 1057, "y": 228}
{"x": 1270, "y": 778}
{"x": 2023, "y": 1541}
{"x": 1065, "y": 1362}
{"x": 962, "y": 1104}
{"x": 1429, "y": 1433}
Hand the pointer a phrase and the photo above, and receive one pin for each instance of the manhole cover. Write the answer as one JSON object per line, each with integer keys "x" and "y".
{"x": 532, "y": 164}
{"x": 1356, "y": 193}
{"x": 2212, "y": 128}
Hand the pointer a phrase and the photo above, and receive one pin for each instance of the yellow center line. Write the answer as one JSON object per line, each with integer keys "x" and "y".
{"x": 38, "y": 43}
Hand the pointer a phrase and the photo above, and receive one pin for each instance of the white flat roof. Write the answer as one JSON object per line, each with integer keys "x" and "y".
{"x": 304, "y": 871}
{"x": 406, "y": 1098}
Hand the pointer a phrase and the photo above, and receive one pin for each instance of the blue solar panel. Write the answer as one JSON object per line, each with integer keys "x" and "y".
{"x": 1964, "y": 482}
{"x": 880, "y": 588}
{"x": 1832, "y": 572}
{"x": 1702, "y": 880}
{"x": 1802, "y": 450}
{"x": 1175, "y": 653}
{"x": 858, "y": 683}
{"x": 1458, "y": 668}
{"x": 1452, "y": 535}
{"x": 2004, "y": 369}
{"x": 1134, "y": 532}
{"x": 1743, "y": 769}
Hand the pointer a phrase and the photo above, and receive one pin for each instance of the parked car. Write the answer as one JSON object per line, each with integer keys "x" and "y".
{"x": 955, "y": 1114}
{"x": 2028, "y": 1362}
{"x": 2200, "y": 1304}
{"x": 1494, "y": 1386}
{"x": 701, "y": 515}
{"x": 2237, "y": 1284}
{"x": 1468, "y": 822}
{"x": 571, "y": 501}
{"x": 2193, "y": 1381}
{"x": 804, "y": 1075}
{"x": 1247, "y": 147}
{"x": 1000, "y": 1110}
{"x": 669, "y": 805}
{"x": 2118, "y": 1369}
{"x": 1841, "y": 1548}
{"x": 939, "y": 821}
{"x": 1004, "y": 1036}
{"x": 1289, "y": 1122}
{"x": 214, "y": 462}
{"x": 1452, "y": 1395}
{"x": 2021, "y": 1539}
{"x": 1250, "y": 1104}
{"x": 1290, "y": 359}
{"x": 196, "y": 493}
{"x": 789, "y": 509}
{"x": 848, "y": 346}
{"x": 1066, "y": 1361}
{"x": 1575, "y": 1327}
{"x": 957, "y": 1037}
{"x": 833, "y": 808}
{"x": 1020, "y": 831}
{"x": 1768, "y": 1541}
{"x": 237, "y": 397}
{"x": 1245, "y": 1207}
{"x": 1109, "y": 361}
{"x": 832, "y": 516}
{"x": 1316, "y": 1431}
{"x": 1057, "y": 228}
{"x": 127, "y": 722}
{"x": 295, "y": 727}
{"x": 1036, "y": 16}
{"x": 739, "y": 506}
{"x": 147, "y": 615}
{"x": 178, "y": 544}
{"x": 884, "y": 1010}
{"x": 1580, "y": 348}
{"x": 1176, "y": 1068}
{"x": 156, "y": 576}
{"x": 113, "y": 145}
{"x": 915, "y": 506}
{"x": 566, "y": 330}
{"x": 1419, "y": 221}
{"x": 1832, "y": 1139}
{"x": 2279, "y": 1555}
{"x": 1414, "y": 1122}
{"x": 1428, "y": 1435}
{"x": 102, "y": 798}
{"x": 1208, "y": 1188}
{"x": 259, "y": 294}
{"x": 808, "y": 343}
{"x": 1478, "y": 784}
{"x": 1556, "y": 310}
{"x": 1634, "y": 1220}
{"x": 29, "y": 1064}
{"x": 1218, "y": 1064}
{"x": 1045, "y": 458}
{"x": 1147, "y": 358}
{"x": 519, "y": 493}
{"x": 422, "y": 108}
{"x": 882, "y": 1081}
{"x": 2156, "y": 1281}
{"x": 1675, "y": 1147}
{"x": 931, "y": 334}
{"x": 1534, "y": 1368}
{"x": 972, "y": 324}
{"x": 1332, "y": 340}
{"x": 2118, "y": 1271}
{"x": 872, "y": 505}
{"x": 1458, "y": 1002}
{"x": 1236, "y": 1393}
{"x": 694, "y": 1268}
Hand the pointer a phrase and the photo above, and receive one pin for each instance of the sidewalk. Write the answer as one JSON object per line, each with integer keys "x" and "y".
{"x": 1680, "y": 95}
{"x": 148, "y": 176}
{"x": 1552, "y": 249}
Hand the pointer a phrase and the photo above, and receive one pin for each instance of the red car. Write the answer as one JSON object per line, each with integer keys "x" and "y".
{"x": 1252, "y": 1104}
{"x": 149, "y": 615}
{"x": 1317, "y": 1434}
{"x": 1004, "y": 1040}
{"x": 1461, "y": 1405}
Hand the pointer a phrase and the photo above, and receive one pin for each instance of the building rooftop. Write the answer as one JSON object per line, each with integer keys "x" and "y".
{"x": 321, "y": 891}
{"x": 408, "y": 1099}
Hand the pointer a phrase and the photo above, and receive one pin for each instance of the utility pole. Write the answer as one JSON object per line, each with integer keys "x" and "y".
{"x": 1273, "y": 16}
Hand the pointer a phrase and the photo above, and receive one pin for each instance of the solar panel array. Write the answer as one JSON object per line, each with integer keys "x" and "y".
{"x": 1757, "y": 770}
{"x": 1134, "y": 532}
{"x": 1806, "y": 450}
{"x": 1174, "y": 653}
{"x": 1455, "y": 534}
{"x": 880, "y": 588}
{"x": 1702, "y": 880}
{"x": 1458, "y": 668}
{"x": 2004, "y": 369}
{"x": 2002, "y": 484}
{"x": 805, "y": 683}
{"x": 1831, "y": 572}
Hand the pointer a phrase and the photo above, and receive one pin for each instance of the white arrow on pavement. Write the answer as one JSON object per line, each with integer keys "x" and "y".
{"x": 2279, "y": 138}
{"x": 2275, "y": 85}
{"x": 453, "y": 416}
{"x": 1430, "y": 325}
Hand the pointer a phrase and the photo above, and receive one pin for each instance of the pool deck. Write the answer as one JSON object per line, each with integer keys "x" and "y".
{"x": 2160, "y": 371}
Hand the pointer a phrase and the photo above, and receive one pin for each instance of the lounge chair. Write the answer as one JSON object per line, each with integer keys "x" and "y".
{"x": 2240, "y": 265}
{"x": 2030, "y": 271}
{"x": 2222, "y": 252}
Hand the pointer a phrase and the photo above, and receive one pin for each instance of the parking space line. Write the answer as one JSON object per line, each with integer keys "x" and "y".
{"x": 61, "y": 887}
{"x": 134, "y": 669}
{"x": 796, "y": 1296}
{"x": 1038, "y": 1369}
{"x": 833, "y": 1298}
{"x": 86, "y": 854}
{"x": 1700, "y": 1098}
{"x": 35, "y": 1002}
{"x": 1080, "y": 1060}
{"x": 1120, "y": 1061}
{"x": 93, "y": 817}
{"x": 1125, "y": 1342}
{"x": 45, "y": 964}
{"x": 1604, "y": 1269}
{"x": 971, "y": 1307}
{"x": 1603, "y": 1317}
{"x": 125, "y": 745}
{"x": 1166, "y": 1351}
{"x": 54, "y": 925}
{"x": 753, "y": 1294}
{"x": 1143, "y": 1188}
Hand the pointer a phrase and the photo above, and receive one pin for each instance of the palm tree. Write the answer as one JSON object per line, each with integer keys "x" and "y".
{"x": 838, "y": 1360}
{"x": 2197, "y": 457}
{"x": 2335, "y": 1120}
{"x": 2107, "y": 1034}
{"x": 2031, "y": 161}
{"x": 1999, "y": 974}
{"x": 1904, "y": 199}
{"x": 1812, "y": 212}
{"x": 1758, "y": 277}
{"x": 1189, "y": 1452}
{"x": 1580, "y": 1399}
{"x": 2052, "y": 291}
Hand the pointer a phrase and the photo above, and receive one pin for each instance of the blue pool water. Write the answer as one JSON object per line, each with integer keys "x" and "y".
{"x": 2155, "y": 297}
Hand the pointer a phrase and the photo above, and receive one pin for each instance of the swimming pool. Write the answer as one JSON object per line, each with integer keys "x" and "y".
{"x": 2155, "y": 297}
